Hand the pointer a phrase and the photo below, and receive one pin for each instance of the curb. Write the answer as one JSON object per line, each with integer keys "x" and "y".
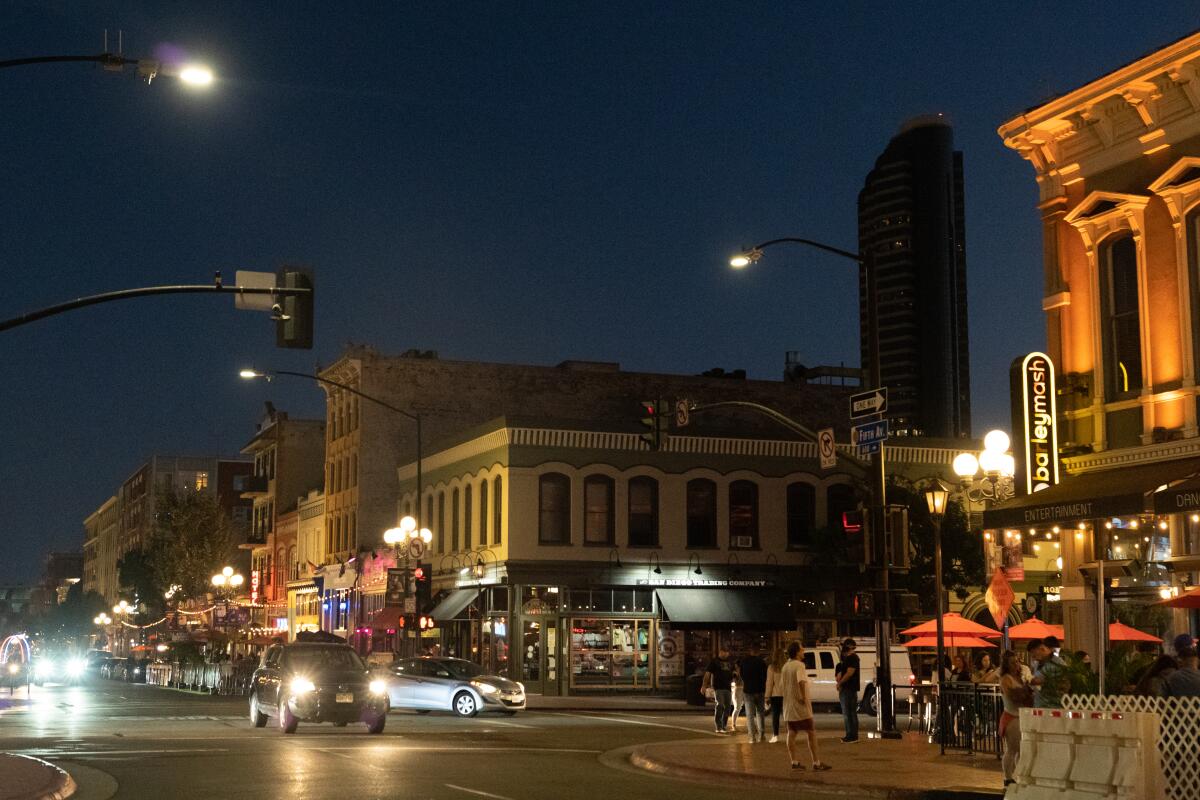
{"x": 59, "y": 785}
{"x": 638, "y": 758}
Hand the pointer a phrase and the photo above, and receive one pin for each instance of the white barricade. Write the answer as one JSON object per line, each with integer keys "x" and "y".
{"x": 1087, "y": 755}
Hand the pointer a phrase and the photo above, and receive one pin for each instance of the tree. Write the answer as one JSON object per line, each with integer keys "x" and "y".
{"x": 962, "y": 552}
{"x": 69, "y": 624}
{"x": 137, "y": 578}
{"x": 192, "y": 540}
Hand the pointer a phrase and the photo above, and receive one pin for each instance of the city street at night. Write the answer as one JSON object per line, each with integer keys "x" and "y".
{"x": 136, "y": 741}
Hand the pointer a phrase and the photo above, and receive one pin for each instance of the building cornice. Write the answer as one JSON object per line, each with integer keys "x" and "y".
{"x": 1129, "y": 456}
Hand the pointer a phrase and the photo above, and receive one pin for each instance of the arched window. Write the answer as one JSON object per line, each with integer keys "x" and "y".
{"x": 743, "y": 515}
{"x": 454, "y": 521}
{"x": 801, "y": 514}
{"x": 598, "y": 498}
{"x": 483, "y": 513}
{"x": 839, "y": 498}
{"x": 643, "y": 512}
{"x": 554, "y": 506}
{"x": 497, "y": 510}
{"x": 1122, "y": 322}
{"x": 701, "y": 513}
{"x": 468, "y": 517}
{"x": 441, "y": 522}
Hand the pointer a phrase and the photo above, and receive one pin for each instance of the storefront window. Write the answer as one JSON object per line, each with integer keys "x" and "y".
{"x": 610, "y": 652}
{"x": 493, "y": 643}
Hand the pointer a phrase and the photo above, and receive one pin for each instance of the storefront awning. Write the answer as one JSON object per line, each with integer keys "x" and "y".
{"x": 454, "y": 604}
{"x": 386, "y": 618}
{"x": 1181, "y": 496}
{"x": 754, "y": 608}
{"x": 1094, "y": 495}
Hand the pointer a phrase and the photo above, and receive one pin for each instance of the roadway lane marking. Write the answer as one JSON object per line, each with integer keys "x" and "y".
{"x": 628, "y": 721}
{"x": 510, "y": 724}
{"x": 432, "y": 749}
{"x": 476, "y": 791}
{"x": 88, "y": 753}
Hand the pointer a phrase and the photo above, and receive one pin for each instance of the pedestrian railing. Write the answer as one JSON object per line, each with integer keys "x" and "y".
{"x": 1178, "y": 732}
{"x": 228, "y": 679}
{"x": 968, "y": 718}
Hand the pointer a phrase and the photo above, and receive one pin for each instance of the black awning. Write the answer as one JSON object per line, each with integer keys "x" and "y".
{"x": 745, "y": 608}
{"x": 454, "y": 604}
{"x": 1178, "y": 497}
{"x": 1093, "y": 495}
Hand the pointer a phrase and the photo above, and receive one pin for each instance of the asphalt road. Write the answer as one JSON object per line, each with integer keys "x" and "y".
{"x": 133, "y": 741}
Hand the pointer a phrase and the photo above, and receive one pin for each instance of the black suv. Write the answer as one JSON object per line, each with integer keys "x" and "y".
{"x": 311, "y": 682}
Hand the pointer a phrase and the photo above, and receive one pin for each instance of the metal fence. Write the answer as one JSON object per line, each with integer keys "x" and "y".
{"x": 229, "y": 679}
{"x": 968, "y": 718}
{"x": 1178, "y": 733}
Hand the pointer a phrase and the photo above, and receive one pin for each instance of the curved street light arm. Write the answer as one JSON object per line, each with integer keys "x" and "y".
{"x": 819, "y": 245}
{"x": 107, "y": 59}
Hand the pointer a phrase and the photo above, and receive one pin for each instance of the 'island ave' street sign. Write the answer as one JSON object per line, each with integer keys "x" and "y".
{"x": 864, "y": 404}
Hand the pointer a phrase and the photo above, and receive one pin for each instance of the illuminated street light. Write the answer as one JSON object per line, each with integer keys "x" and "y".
{"x": 196, "y": 75}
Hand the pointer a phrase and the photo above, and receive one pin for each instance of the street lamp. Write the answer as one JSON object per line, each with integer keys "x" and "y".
{"x": 252, "y": 374}
{"x": 227, "y": 579}
{"x": 195, "y": 75}
{"x": 988, "y": 474}
{"x": 937, "y": 496}
{"x": 866, "y": 259}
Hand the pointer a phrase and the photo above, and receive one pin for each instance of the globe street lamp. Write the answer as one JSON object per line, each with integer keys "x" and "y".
{"x": 987, "y": 475}
{"x": 866, "y": 260}
{"x": 937, "y": 496}
{"x": 194, "y": 75}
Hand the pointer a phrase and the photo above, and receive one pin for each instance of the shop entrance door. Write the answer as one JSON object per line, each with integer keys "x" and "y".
{"x": 539, "y": 655}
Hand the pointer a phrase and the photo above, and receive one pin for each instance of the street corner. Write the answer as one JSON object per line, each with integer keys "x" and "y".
{"x": 28, "y": 778}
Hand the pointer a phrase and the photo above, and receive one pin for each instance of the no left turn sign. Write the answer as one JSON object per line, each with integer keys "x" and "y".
{"x": 826, "y": 448}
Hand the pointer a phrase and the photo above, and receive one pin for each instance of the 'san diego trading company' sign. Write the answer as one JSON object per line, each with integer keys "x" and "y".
{"x": 1035, "y": 417}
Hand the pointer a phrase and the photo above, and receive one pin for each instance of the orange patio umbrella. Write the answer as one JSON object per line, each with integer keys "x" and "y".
{"x": 957, "y": 640}
{"x": 952, "y": 624}
{"x": 1034, "y": 628}
{"x": 1187, "y": 599}
{"x": 1118, "y": 632}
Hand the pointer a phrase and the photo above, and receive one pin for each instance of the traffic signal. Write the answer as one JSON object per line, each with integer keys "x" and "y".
{"x": 864, "y": 603}
{"x": 427, "y": 623}
{"x": 655, "y": 421}
{"x": 422, "y": 591}
{"x": 857, "y": 527}
{"x": 895, "y": 527}
{"x": 294, "y": 312}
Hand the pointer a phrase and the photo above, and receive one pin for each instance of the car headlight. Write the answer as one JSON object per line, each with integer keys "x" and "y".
{"x": 45, "y": 669}
{"x": 377, "y": 686}
{"x": 302, "y": 685}
{"x": 76, "y": 667}
{"x": 486, "y": 688}
{"x": 13, "y": 669}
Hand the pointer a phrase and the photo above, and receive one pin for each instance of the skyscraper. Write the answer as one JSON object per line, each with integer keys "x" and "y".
{"x": 910, "y": 215}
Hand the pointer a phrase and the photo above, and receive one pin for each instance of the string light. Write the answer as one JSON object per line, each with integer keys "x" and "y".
{"x": 1108, "y": 525}
{"x": 1195, "y": 517}
{"x": 1162, "y": 526}
{"x": 1048, "y": 535}
{"x": 1054, "y": 529}
{"x": 1133, "y": 524}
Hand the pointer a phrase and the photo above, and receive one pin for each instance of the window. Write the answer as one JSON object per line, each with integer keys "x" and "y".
{"x": 441, "y": 522}
{"x": 554, "y": 506}
{"x": 1122, "y": 324}
{"x": 354, "y": 470}
{"x": 497, "y": 502}
{"x": 598, "y": 496}
{"x": 643, "y": 512}
{"x": 801, "y": 514}
{"x": 352, "y": 530}
{"x": 701, "y": 513}
{"x": 743, "y": 515}
{"x": 454, "y": 521}
{"x": 839, "y": 499}
{"x": 483, "y": 513}
{"x": 467, "y": 517}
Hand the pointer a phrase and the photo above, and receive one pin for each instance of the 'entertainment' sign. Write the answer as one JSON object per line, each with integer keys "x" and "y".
{"x": 1036, "y": 420}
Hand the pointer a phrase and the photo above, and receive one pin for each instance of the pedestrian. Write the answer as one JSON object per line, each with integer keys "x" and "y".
{"x": 739, "y": 699}
{"x": 797, "y": 708}
{"x": 1185, "y": 681}
{"x": 775, "y": 690}
{"x": 987, "y": 673}
{"x": 961, "y": 671}
{"x": 1015, "y": 694}
{"x": 718, "y": 678}
{"x": 752, "y": 678}
{"x": 846, "y": 674}
{"x": 1152, "y": 680}
{"x": 1050, "y": 676}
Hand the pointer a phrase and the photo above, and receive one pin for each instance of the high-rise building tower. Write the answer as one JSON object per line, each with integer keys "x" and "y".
{"x": 910, "y": 215}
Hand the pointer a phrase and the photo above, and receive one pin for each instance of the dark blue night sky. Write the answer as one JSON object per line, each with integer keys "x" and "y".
{"x": 524, "y": 182}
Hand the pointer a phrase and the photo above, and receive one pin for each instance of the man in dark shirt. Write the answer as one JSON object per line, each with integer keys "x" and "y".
{"x": 847, "y": 685}
{"x": 752, "y": 673}
{"x": 718, "y": 676}
{"x": 1185, "y": 681}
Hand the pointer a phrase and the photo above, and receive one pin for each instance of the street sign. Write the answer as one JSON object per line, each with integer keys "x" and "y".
{"x": 410, "y": 605}
{"x": 871, "y": 432}
{"x": 826, "y": 448}
{"x": 416, "y": 548}
{"x": 683, "y": 411}
{"x": 864, "y": 404}
{"x": 869, "y": 449}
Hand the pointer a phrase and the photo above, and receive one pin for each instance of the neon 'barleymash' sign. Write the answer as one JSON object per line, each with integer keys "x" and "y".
{"x": 1036, "y": 419}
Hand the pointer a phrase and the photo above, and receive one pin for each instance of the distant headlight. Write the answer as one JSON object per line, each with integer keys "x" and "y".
{"x": 377, "y": 687}
{"x": 45, "y": 669}
{"x": 76, "y": 667}
{"x": 486, "y": 688}
{"x": 302, "y": 685}
{"x": 13, "y": 669}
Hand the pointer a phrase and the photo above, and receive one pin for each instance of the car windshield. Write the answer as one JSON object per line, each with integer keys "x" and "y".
{"x": 462, "y": 669}
{"x": 323, "y": 658}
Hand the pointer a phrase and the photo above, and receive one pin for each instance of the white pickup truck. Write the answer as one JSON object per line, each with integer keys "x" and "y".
{"x": 820, "y": 662}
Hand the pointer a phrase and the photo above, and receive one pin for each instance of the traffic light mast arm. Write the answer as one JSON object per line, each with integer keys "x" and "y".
{"x": 145, "y": 291}
{"x": 782, "y": 419}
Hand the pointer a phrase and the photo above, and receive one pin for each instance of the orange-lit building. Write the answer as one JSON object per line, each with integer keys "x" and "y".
{"x": 1117, "y": 163}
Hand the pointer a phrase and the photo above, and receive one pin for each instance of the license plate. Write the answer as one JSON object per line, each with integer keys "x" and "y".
{"x": 344, "y": 697}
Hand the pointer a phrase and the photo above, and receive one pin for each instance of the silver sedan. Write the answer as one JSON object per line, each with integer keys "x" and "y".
{"x": 450, "y": 684}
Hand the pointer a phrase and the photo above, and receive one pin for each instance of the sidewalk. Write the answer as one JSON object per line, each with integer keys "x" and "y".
{"x": 538, "y": 702}
{"x": 26, "y": 778}
{"x": 905, "y": 769}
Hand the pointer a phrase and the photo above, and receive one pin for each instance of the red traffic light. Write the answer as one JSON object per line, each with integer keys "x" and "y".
{"x": 419, "y": 573}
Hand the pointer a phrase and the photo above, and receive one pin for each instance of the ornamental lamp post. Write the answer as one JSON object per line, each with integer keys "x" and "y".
{"x": 937, "y": 496}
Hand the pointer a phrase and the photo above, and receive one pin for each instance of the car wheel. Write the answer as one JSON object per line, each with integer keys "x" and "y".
{"x": 376, "y": 725}
{"x": 465, "y": 705}
{"x": 257, "y": 717}
{"x": 288, "y": 722}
